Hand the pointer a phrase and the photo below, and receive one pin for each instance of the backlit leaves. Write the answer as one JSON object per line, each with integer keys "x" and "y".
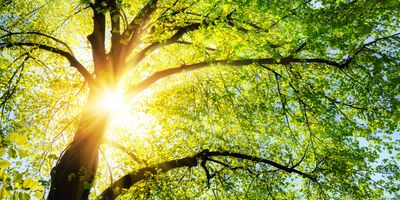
{"x": 339, "y": 124}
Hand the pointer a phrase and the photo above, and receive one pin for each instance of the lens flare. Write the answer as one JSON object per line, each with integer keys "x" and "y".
{"x": 111, "y": 101}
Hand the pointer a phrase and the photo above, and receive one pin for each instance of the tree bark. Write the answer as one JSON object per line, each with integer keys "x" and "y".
{"x": 73, "y": 175}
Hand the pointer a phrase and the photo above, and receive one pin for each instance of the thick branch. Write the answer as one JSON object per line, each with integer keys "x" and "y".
{"x": 131, "y": 33}
{"x": 171, "y": 71}
{"x": 97, "y": 37}
{"x": 39, "y": 34}
{"x": 181, "y": 30}
{"x": 262, "y": 160}
{"x": 173, "y": 39}
{"x": 115, "y": 16}
{"x": 72, "y": 60}
{"x": 128, "y": 180}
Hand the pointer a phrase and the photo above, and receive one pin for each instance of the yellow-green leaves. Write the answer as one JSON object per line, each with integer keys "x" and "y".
{"x": 2, "y": 151}
{"x": 338, "y": 120}
{"x": 4, "y": 164}
{"x": 18, "y": 139}
{"x": 30, "y": 184}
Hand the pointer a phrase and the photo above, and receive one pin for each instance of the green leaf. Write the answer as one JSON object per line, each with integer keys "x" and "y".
{"x": 30, "y": 184}
{"x": 4, "y": 164}
{"x": 18, "y": 139}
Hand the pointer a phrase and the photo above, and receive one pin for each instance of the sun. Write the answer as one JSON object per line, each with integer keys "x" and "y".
{"x": 111, "y": 101}
{"x": 127, "y": 116}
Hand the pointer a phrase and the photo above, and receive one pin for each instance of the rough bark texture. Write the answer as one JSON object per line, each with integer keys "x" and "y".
{"x": 74, "y": 173}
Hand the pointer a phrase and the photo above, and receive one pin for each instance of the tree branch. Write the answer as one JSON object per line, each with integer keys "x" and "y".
{"x": 72, "y": 60}
{"x": 334, "y": 101}
{"x": 115, "y": 16}
{"x": 174, "y": 38}
{"x": 39, "y": 34}
{"x": 128, "y": 180}
{"x": 261, "y": 61}
{"x": 191, "y": 43}
{"x": 125, "y": 150}
{"x": 108, "y": 165}
{"x": 97, "y": 37}
{"x": 131, "y": 33}
{"x": 7, "y": 95}
{"x": 364, "y": 46}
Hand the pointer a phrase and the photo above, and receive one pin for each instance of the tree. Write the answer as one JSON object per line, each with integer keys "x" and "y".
{"x": 284, "y": 99}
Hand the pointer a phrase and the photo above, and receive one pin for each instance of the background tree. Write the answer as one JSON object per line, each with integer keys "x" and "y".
{"x": 220, "y": 99}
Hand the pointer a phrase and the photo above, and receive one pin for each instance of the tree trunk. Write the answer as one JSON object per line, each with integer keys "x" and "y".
{"x": 73, "y": 175}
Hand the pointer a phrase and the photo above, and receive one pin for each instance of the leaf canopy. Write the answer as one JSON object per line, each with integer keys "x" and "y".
{"x": 311, "y": 85}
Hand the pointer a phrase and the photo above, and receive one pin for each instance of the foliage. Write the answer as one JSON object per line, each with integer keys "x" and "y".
{"x": 310, "y": 85}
